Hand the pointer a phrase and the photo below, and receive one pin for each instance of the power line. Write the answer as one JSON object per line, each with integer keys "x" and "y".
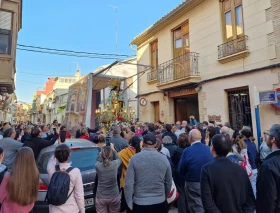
{"x": 29, "y": 81}
{"x": 67, "y": 54}
{"x": 30, "y": 73}
{"x": 71, "y": 51}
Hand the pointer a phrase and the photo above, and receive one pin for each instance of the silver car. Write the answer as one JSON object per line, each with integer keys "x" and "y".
{"x": 83, "y": 156}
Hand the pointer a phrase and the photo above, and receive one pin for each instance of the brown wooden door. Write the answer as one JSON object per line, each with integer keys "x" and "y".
{"x": 156, "y": 111}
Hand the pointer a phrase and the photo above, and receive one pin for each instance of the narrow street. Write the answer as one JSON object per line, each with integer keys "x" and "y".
{"x": 164, "y": 100}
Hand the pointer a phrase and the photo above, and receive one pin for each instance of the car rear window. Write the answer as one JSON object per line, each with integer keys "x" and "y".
{"x": 84, "y": 159}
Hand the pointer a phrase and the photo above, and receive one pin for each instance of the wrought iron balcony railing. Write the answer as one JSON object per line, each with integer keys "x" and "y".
{"x": 178, "y": 68}
{"x": 232, "y": 47}
{"x": 152, "y": 76}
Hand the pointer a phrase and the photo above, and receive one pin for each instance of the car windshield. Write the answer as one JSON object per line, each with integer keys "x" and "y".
{"x": 84, "y": 159}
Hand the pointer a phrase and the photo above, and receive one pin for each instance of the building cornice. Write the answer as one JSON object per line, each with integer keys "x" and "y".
{"x": 172, "y": 16}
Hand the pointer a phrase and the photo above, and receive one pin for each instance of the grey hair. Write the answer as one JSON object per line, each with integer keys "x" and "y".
{"x": 275, "y": 132}
{"x": 247, "y": 127}
{"x": 167, "y": 140}
{"x": 227, "y": 124}
{"x": 117, "y": 130}
{"x": 27, "y": 128}
{"x": 8, "y": 132}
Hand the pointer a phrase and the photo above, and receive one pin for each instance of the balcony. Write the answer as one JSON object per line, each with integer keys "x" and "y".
{"x": 179, "y": 71}
{"x": 233, "y": 50}
{"x": 152, "y": 76}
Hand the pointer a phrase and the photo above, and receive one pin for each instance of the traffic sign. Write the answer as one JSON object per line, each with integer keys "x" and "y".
{"x": 268, "y": 97}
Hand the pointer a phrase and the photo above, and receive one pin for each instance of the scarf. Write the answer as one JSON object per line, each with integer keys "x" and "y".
{"x": 125, "y": 155}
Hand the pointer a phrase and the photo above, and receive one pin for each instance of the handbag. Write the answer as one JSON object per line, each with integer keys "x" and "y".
{"x": 173, "y": 195}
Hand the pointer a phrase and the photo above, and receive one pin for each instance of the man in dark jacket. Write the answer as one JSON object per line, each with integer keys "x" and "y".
{"x": 150, "y": 128}
{"x": 225, "y": 185}
{"x": 169, "y": 133}
{"x": 27, "y": 132}
{"x": 183, "y": 142}
{"x": 268, "y": 189}
{"x": 199, "y": 126}
{"x": 36, "y": 143}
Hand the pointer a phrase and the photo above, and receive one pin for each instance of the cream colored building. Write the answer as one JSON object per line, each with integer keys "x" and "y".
{"x": 207, "y": 56}
{"x": 21, "y": 112}
{"x": 10, "y": 24}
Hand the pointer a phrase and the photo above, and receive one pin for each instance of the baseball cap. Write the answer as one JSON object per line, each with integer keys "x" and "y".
{"x": 149, "y": 139}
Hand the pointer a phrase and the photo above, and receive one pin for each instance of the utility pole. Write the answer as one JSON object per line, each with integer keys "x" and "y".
{"x": 116, "y": 27}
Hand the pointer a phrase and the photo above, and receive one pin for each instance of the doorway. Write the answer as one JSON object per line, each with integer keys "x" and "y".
{"x": 185, "y": 106}
{"x": 156, "y": 111}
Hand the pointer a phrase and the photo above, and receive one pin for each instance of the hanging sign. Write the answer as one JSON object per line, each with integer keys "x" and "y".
{"x": 268, "y": 97}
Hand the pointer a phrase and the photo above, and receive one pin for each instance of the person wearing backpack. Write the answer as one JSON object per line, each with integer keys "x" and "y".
{"x": 19, "y": 188}
{"x": 65, "y": 193}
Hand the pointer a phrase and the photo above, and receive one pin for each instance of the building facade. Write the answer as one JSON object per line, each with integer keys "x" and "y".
{"x": 10, "y": 24}
{"x": 54, "y": 105}
{"x": 21, "y": 112}
{"x": 207, "y": 56}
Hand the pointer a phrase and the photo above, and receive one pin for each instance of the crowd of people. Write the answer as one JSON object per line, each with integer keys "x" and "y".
{"x": 146, "y": 167}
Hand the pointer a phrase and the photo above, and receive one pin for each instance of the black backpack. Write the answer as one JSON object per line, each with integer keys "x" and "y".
{"x": 59, "y": 187}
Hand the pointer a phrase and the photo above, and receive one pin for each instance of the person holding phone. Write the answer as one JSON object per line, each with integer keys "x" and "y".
{"x": 65, "y": 131}
{"x": 36, "y": 143}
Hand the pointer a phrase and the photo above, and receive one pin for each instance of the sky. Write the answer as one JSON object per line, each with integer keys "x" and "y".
{"x": 84, "y": 25}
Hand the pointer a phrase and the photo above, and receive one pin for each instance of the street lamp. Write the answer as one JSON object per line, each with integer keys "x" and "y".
{"x": 116, "y": 27}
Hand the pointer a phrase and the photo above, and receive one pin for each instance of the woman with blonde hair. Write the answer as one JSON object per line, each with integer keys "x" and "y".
{"x": 17, "y": 196}
{"x": 107, "y": 195}
{"x": 84, "y": 133}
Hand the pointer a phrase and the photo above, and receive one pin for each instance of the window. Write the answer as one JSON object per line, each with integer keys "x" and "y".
{"x": 5, "y": 32}
{"x": 61, "y": 80}
{"x": 233, "y": 19}
{"x": 181, "y": 40}
{"x": 239, "y": 108}
{"x": 66, "y": 80}
{"x": 84, "y": 159}
{"x": 154, "y": 55}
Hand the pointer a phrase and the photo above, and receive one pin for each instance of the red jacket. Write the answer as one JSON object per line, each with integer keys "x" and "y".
{"x": 85, "y": 137}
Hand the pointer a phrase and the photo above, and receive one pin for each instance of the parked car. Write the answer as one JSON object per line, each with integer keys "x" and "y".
{"x": 83, "y": 156}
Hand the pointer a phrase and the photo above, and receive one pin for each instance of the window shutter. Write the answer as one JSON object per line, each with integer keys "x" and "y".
{"x": 5, "y": 20}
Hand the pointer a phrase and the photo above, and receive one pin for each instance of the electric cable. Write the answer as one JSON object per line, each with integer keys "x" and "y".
{"x": 71, "y": 51}
{"x": 67, "y": 54}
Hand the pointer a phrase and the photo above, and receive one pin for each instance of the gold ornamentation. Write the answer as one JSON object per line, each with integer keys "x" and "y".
{"x": 115, "y": 83}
